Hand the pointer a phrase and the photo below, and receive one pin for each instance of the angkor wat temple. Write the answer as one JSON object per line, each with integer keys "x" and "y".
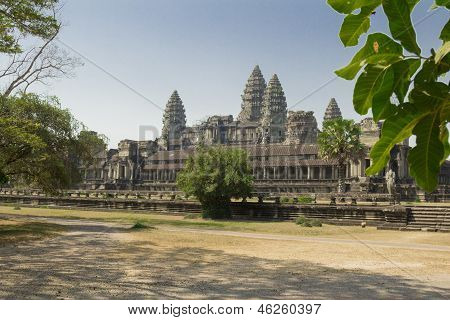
{"x": 281, "y": 144}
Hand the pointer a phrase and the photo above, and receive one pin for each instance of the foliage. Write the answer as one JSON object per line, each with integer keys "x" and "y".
{"x": 305, "y": 200}
{"x": 140, "y": 225}
{"x": 305, "y": 222}
{"x": 300, "y": 220}
{"x": 20, "y": 18}
{"x": 41, "y": 144}
{"x": 192, "y": 216}
{"x": 316, "y": 223}
{"x": 339, "y": 141}
{"x": 214, "y": 176}
{"x": 286, "y": 200}
{"x": 400, "y": 85}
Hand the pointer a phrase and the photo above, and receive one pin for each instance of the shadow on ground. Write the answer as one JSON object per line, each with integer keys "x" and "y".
{"x": 86, "y": 263}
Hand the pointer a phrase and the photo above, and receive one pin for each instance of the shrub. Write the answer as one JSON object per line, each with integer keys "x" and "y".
{"x": 316, "y": 223}
{"x": 300, "y": 220}
{"x": 285, "y": 200}
{"x": 215, "y": 175}
{"x": 305, "y": 222}
{"x": 17, "y": 208}
{"x": 192, "y": 216}
{"x": 140, "y": 225}
{"x": 305, "y": 199}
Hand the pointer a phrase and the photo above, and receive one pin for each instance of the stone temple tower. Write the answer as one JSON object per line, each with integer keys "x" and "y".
{"x": 174, "y": 122}
{"x": 332, "y": 111}
{"x": 274, "y": 113}
{"x": 252, "y": 97}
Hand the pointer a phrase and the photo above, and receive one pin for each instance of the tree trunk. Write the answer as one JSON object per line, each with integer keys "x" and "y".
{"x": 341, "y": 178}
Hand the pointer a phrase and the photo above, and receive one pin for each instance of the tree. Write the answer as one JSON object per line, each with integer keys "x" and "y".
{"x": 339, "y": 141}
{"x": 38, "y": 64}
{"x": 21, "y": 18}
{"x": 214, "y": 176}
{"x": 41, "y": 144}
{"x": 399, "y": 84}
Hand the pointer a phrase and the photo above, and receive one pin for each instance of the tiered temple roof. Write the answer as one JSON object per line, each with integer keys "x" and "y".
{"x": 274, "y": 114}
{"x": 301, "y": 127}
{"x": 174, "y": 121}
{"x": 332, "y": 111}
{"x": 252, "y": 98}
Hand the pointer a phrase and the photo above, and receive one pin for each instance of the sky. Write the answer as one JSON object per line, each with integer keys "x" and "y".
{"x": 136, "y": 52}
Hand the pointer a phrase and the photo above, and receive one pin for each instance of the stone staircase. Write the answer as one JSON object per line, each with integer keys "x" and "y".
{"x": 429, "y": 219}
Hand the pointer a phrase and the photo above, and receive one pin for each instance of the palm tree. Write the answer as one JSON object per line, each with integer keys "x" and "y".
{"x": 339, "y": 141}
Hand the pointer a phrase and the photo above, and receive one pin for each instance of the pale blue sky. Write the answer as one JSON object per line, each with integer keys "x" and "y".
{"x": 205, "y": 49}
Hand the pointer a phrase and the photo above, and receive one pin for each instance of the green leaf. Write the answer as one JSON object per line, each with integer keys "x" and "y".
{"x": 425, "y": 158}
{"x": 412, "y": 4}
{"x": 354, "y": 26}
{"x": 431, "y": 71}
{"x": 442, "y": 52}
{"x": 382, "y": 107}
{"x": 443, "y": 3}
{"x": 445, "y": 33}
{"x": 399, "y": 16}
{"x": 395, "y": 129}
{"x": 403, "y": 71}
{"x": 387, "y": 52}
{"x": 444, "y": 137}
{"x": 431, "y": 96}
{"x": 367, "y": 86}
{"x": 348, "y": 6}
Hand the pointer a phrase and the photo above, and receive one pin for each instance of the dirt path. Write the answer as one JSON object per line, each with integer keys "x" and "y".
{"x": 91, "y": 262}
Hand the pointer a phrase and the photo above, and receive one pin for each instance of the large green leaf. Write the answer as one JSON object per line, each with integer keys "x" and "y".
{"x": 367, "y": 85}
{"x": 348, "y": 6}
{"x": 412, "y": 4}
{"x": 403, "y": 71}
{"x": 379, "y": 49}
{"x": 442, "y": 52}
{"x": 354, "y": 26}
{"x": 443, "y": 3}
{"x": 399, "y": 16}
{"x": 382, "y": 107}
{"x": 395, "y": 129}
{"x": 445, "y": 33}
{"x": 433, "y": 99}
{"x": 444, "y": 137}
{"x": 431, "y": 71}
{"x": 425, "y": 158}
{"x": 431, "y": 96}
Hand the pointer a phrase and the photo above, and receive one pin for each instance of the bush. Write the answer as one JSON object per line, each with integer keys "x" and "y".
{"x": 17, "y": 208}
{"x": 316, "y": 223}
{"x": 215, "y": 175}
{"x": 286, "y": 200}
{"x": 305, "y": 199}
{"x": 305, "y": 222}
{"x": 193, "y": 216}
{"x": 140, "y": 225}
{"x": 300, "y": 220}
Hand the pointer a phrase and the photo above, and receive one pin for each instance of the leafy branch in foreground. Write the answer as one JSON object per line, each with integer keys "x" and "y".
{"x": 399, "y": 84}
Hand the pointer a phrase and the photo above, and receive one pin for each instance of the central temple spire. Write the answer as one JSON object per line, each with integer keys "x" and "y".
{"x": 252, "y": 97}
{"x": 332, "y": 111}
{"x": 274, "y": 114}
{"x": 174, "y": 122}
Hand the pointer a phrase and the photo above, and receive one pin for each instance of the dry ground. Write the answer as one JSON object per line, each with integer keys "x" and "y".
{"x": 95, "y": 258}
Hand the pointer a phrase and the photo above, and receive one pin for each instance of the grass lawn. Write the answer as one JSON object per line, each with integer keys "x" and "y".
{"x": 285, "y": 228}
{"x": 12, "y": 231}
